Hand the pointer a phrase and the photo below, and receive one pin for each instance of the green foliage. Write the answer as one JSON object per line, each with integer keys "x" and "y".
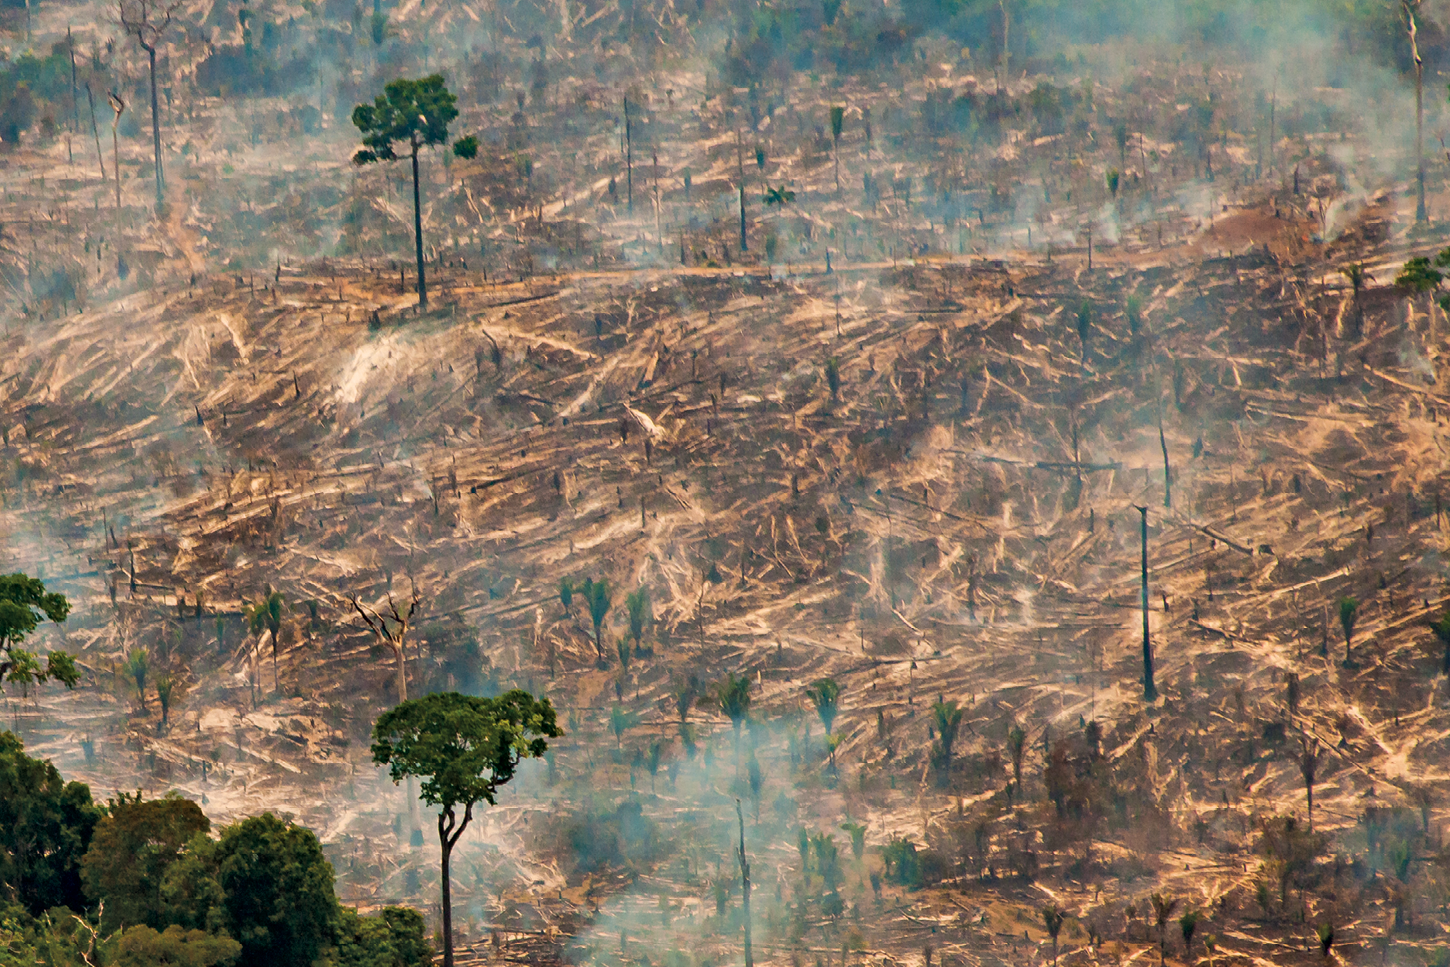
{"x": 131, "y": 852}
{"x": 598, "y": 596}
{"x": 566, "y": 594}
{"x": 838, "y": 121}
{"x": 278, "y": 903}
{"x": 378, "y": 28}
{"x": 1187, "y": 924}
{"x": 1133, "y": 310}
{"x": 1016, "y": 747}
{"x": 1356, "y": 275}
{"x": 947, "y": 719}
{"x": 733, "y": 697}
{"x": 1419, "y": 275}
{"x": 857, "y": 832}
{"x": 415, "y": 113}
{"x": 1325, "y": 933}
{"x": 45, "y": 828}
{"x": 1111, "y": 179}
{"x": 621, "y": 720}
{"x": 141, "y": 946}
{"x": 462, "y": 747}
{"x": 1084, "y": 320}
{"x": 394, "y": 938}
{"x": 24, "y": 602}
{"x": 833, "y": 376}
{"x": 466, "y": 147}
{"x": 827, "y": 861}
{"x": 166, "y": 693}
{"x": 1348, "y": 614}
{"x": 265, "y": 614}
{"x": 1053, "y": 917}
{"x": 637, "y": 604}
{"x": 825, "y": 695}
{"x": 778, "y": 196}
{"x": 138, "y": 667}
{"x": 903, "y": 865}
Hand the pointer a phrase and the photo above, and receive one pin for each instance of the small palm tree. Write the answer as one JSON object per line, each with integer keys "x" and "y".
{"x": 597, "y": 595}
{"x": 1348, "y": 613}
{"x": 1017, "y": 747}
{"x": 637, "y": 603}
{"x": 833, "y": 377}
{"x": 266, "y": 615}
{"x": 138, "y": 666}
{"x": 1053, "y": 918}
{"x": 1325, "y": 933}
{"x": 1187, "y": 924}
{"x": 948, "y": 719}
{"x": 566, "y": 595}
{"x": 732, "y": 695}
{"x": 825, "y": 695}
{"x": 168, "y": 689}
{"x": 1163, "y": 908}
{"x": 621, "y": 720}
{"x": 1133, "y": 310}
{"x": 1309, "y": 759}
{"x": 686, "y": 693}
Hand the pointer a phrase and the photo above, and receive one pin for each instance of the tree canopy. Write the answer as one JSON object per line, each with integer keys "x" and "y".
{"x": 46, "y": 824}
{"x": 462, "y": 747}
{"x": 279, "y": 903}
{"x": 132, "y": 849}
{"x": 413, "y": 112}
{"x": 24, "y": 603}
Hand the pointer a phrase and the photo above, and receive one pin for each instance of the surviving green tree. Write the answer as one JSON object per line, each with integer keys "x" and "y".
{"x": 23, "y": 603}
{"x": 463, "y": 748}
{"x": 46, "y": 825}
{"x": 416, "y": 115}
{"x": 131, "y": 852}
{"x": 637, "y": 603}
{"x": 278, "y": 892}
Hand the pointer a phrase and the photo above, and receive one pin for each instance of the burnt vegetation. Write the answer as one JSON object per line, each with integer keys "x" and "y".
{"x": 968, "y": 502}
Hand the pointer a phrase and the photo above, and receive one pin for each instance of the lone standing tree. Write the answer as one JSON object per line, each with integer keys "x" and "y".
{"x": 147, "y": 20}
{"x": 415, "y": 114}
{"x": 464, "y": 749}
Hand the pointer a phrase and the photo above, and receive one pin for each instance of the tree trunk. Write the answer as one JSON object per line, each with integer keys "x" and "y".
{"x": 156, "y": 130}
{"x": 1309, "y": 792}
{"x": 402, "y": 674}
{"x": 742, "y": 216}
{"x": 628, "y": 160}
{"x": 1421, "y": 215}
{"x": 447, "y": 848}
{"x": 418, "y": 240}
{"x": 96, "y": 133}
{"x": 1167, "y": 472}
{"x": 1150, "y": 690}
{"x": 745, "y": 887}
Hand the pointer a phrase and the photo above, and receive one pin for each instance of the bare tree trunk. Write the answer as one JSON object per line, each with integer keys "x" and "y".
{"x": 96, "y": 132}
{"x": 156, "y": 128}
{"x": 745, "y": 886}
{"x": 1150, "y": 690}
{"x": 418, "y": 238}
